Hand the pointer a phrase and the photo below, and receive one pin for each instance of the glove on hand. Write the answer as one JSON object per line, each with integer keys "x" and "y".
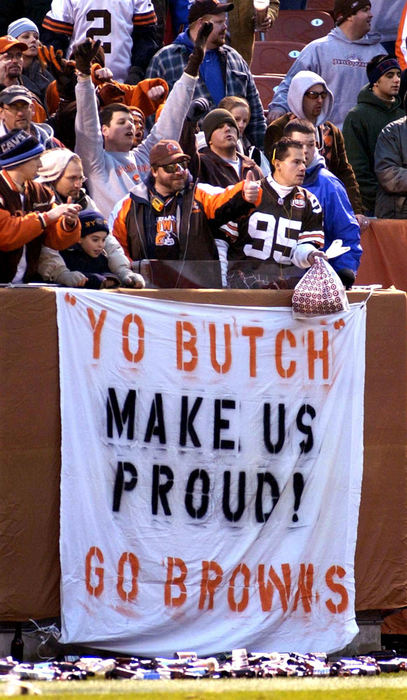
{"x": 198, "y": 109}
{"x": 50, "y": 59}
{"x": 84, "y": 55}
{"x": 62, "y": 70}
{"x": 197, "y": 55}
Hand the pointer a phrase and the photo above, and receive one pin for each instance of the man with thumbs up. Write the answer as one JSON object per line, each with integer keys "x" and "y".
{"x": 284, "y": 235}
{"x": 166, "y": 225}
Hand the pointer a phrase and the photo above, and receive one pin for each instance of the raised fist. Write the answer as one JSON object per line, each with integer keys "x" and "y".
{"x": 84, "y": 55}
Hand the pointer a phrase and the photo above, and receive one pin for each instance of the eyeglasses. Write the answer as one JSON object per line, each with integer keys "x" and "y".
{"x": 173, "y": 167}
{"x": 313, "y": 94}
{"x": 14, "y": 56}
{"x": 76, "y": 178}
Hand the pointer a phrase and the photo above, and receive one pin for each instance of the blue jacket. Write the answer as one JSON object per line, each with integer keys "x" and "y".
{"x": 339, "y": 218}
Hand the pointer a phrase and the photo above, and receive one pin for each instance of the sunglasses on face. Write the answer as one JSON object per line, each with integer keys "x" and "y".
{"x": 173, "y": 167}
{"x": 313, "y": 94}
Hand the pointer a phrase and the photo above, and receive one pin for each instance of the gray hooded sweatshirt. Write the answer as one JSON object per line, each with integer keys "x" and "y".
{"x": 386, "y": 18}
{"x": 299, "y": 85}
{"x": 341, "y": 62}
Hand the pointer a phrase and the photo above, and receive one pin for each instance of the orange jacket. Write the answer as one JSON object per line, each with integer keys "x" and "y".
{"x": 113, "y": 91}
{"x": 31, "y": 229}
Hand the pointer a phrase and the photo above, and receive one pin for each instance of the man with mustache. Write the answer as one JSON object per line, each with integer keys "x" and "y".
{"x": 223, "y": 70}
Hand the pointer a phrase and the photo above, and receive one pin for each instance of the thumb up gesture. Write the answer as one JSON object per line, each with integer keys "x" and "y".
{"x": 251, "y": 188}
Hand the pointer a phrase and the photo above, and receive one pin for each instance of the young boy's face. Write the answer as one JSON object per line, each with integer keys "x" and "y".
{"x": 94, "y": 243}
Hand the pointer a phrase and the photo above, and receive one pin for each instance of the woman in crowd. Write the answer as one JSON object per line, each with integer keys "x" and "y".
{"x": 35, "y": 77}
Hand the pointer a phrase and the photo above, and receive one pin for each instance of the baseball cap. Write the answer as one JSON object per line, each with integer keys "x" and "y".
{"x": 8, "y": 42}
{"x": 14, "y": 93}
{"x": 166, "y": 151}
{"x": 200, "y": 8}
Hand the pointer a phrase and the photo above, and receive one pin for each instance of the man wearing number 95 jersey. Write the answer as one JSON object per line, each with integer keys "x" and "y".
{"x": 127, "y": 29}
{"x": 283, "y": 236}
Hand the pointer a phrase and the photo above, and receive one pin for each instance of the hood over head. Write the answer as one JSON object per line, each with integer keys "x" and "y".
{"x": 54, "y": 163}
{"x": 301, "y": 82}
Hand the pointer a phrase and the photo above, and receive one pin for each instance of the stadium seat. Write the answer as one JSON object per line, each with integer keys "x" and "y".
{"x": 274, "y": 56}
{"x": 303, "y": 26}
{"x": 325, "y": 5}
{"x": 266, "y": 85}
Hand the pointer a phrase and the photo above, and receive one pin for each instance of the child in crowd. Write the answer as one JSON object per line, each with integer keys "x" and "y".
{"x": 240, "y": 110}
{"x": 88, "y": 255}
{"x": 88, "y": 263}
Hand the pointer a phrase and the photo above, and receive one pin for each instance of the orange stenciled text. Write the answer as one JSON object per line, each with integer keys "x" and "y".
{"x": 290, "y": 588}
{"x": 136, "y": 353}
{"x": 223, "y": 347}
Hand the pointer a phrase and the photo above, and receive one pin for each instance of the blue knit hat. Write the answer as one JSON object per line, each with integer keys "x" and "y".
{"x": 21, "y": 25}
{"x": 383, "y": 65}
{"x": 18, "y": 146}
{"x": 91, "y": 222}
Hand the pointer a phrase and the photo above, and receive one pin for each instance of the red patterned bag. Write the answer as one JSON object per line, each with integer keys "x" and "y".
{"x": 319, "y": 292}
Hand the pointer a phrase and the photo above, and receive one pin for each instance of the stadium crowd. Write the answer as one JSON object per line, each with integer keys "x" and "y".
{"x": 135, "y": 147}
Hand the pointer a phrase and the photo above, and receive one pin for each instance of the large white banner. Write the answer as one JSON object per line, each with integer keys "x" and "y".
{"x": 211, "y": 473}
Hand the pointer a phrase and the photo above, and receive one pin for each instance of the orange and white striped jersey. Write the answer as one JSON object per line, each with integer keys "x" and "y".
{"x": 401, "y": 47}
{"x": 111, "y": 21}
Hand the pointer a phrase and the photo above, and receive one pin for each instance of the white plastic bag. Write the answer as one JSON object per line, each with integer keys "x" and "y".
{"x": 320, "y": 291}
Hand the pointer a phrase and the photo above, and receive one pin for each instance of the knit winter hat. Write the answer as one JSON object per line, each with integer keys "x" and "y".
{"x": 136, "y": 111}
{"x": 18, "y": 146}
{"x": 54, "y": 163}
{"x": 91, "y": 222}
{"x": 385, "y": 64}
{"x": 216, "y": 118}
{"x": 345, "y": 8}
{"x": 21, "y": 25}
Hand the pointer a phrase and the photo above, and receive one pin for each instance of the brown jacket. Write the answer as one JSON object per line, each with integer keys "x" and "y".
{"x": 215, "y": 171}
{"x": 200, "y": 216}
